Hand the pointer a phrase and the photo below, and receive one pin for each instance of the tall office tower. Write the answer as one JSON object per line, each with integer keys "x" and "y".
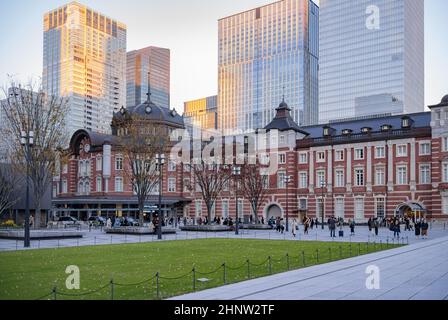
{"x": 155, "y": 63}
{"x": 202, "y": 113}
{"x": 371, "y": 58}
{"x": 85, "y": 61}
{"x": 265, "y": 54}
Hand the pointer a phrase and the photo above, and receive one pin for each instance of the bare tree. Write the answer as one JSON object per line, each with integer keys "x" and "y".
{"x": 8, "y": 183}
{"x": 28, "y": 109}
{"x": 253, "y": 187}
{"x": 141, "y": 144}
{"x": 211, "y": 179}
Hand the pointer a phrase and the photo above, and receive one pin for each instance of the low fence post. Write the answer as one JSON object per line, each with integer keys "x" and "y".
{"x": 157, "y": 285}
{"x": 112, "y": 289}
{"x": 350, "y": 250}
{"x": 329, "y": 253}
{"x": 270, "y": 264}
{"x": 303, "y": 258}
{"x": 225, "y": 273}
{"x": 340, "y": 252}
{"x": 194, "y": 278}
{"x": 317, "y": 255}
{"x": 248, "y": 269}
{"x": 287, "y": 261}
{"x": 54, "y": 294}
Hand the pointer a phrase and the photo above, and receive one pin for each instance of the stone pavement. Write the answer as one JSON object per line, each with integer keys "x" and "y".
{"x": 415, "y": 272}
{"x": 98, "y": 237}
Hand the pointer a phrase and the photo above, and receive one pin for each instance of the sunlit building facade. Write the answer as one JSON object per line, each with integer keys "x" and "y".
{"x": 202, "y": 113}
{"x": 371, "y": 58}
{"x": 265, "y": 54}
{"x": 149, "y": 65}
{"x": 85, "y": 60}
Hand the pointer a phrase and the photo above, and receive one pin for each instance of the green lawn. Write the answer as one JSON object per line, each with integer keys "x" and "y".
{"x": 33, "y": 274}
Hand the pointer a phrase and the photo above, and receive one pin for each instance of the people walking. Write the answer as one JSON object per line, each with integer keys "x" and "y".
{"x": 396, "y": 228}
{"x": 332, "y": 227}
{"x": 376, "y": 226}
{"x": 425, "y": 227}
{"x": 306, "y": 225}
{"x": 369, "y": 224}
{"x": 417, "y": 227}
{"x": 352, "y": 227}
{"x": 294, "y": 227}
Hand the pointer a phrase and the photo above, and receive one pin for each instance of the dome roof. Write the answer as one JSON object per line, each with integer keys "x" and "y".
{"x": 150, "y": 111}
{"x": 445, "y": 99}
{"x": 283, "y": 105}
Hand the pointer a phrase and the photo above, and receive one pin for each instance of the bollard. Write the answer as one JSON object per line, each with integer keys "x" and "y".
{"x": 248, "y": 269}
{"x": 194, "y": 278}
{"x": 225, "y": 273}
{"x": 111, "y": 289}
{"x": 270, "y": 265}
{"x": 157, "y": 285}
{"x": 54, "y": 294}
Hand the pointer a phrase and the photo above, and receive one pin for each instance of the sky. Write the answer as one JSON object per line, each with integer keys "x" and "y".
{"x": 190, "y": 29}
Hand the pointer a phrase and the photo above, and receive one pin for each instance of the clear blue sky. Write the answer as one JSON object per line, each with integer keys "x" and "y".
{"x": 189, "y": 28}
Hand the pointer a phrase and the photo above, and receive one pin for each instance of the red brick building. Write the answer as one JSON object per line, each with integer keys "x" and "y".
{"x": 375, "y": 167}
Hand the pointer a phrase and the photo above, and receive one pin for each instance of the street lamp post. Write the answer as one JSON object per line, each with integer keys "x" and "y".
{"x": 322, "y": 185}
{"x": 27, "y": 141}
{"x": 236, "y": 172}
{"x": 287, "y": 180}
{"x": 160, "y": 162}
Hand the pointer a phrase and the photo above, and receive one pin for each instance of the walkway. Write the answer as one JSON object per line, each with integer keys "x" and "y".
{"x": 418, "y": 271}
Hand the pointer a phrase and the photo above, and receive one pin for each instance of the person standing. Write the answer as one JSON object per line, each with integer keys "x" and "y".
{"x": 376, "y": 225}
{"x": 31, "y": 221}
{"x": 417, "y": 227}
{"x": 352, "y": 227}
{"x": 332, "y": 227}
{"x": 425, "y": 227}
{"x": 397, "y": 230}
{"x": 294, "y": 227}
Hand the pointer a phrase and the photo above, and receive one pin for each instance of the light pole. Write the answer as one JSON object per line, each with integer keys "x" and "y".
{"x": 27, "y": 141}
{"x": 236, "y": 172}
{"x": 160, "y": 162}
{"x": 287, "y": 180}
{"x": 322, "y": 185}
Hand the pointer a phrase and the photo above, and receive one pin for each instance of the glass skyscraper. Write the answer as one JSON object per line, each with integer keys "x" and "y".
{"x": 266, "y": 54}
{"x": 153, "y": 63}
{"x": 202, "y": 113}
{"x": 84, "y": 60}
{"x": 371, "y": 58}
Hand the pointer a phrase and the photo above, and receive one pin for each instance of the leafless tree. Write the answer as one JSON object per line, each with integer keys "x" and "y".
{"x": 141, "y": 144}
{"x": 210, "y": 179}
{"x": 253, "y": 187}
{"x": 27, "y": 108}
{"x": 8, "y": 184}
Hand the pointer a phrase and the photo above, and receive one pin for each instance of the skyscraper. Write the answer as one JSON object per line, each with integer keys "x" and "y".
{"x": 266, "y": 54}
{"x": 371, "y": 58}
{"x": 85, "y": 61}
{"x": 155, "y": 63}
{"x": 202, "y": 113}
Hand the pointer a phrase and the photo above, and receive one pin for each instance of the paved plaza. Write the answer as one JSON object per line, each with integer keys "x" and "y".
{"x": 98, "y": 237}
{"x": 415, "y": 272}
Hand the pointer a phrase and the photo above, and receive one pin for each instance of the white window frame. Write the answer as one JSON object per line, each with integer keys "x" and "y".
{"x": 382, "y": 181}
{"x": 282, "y": 158}
{"x": 119, "y": 186}
{"x": 445, "y": 204}
{"x": 281, "y": 180}
{"x": 358, "y": 177}
{"x": 425, "y": 172}
{"x": 320, "y": 177}
{"x": 379, "y": 200}
{"x": 402, "y": 150}
{"x": 380, "y": 154}
{"x": 303, "y": 180}
{"x": 187, "y": 184}
{"x": 359, "y": 154}
{"x": 422, "y": 147}
{"x": 99, "y": 184}
{"x": 320, "y": 156}
{"x": 339, "y": 155}
{"x": 171, "y": 165}
{"x": 64, "y": 186}
{"x": 445, "y": 144}
{"x": 99, "y": 163}
{"x": 119, "y": 162}
{"x": 225, "y": 208}
{"x": 339, "y": 178}
{"x": 339, "y": 207}
{"x": 198, "y": 208}
{"x": 303, "y": 157}
{"x": 401, "y": 175}
{"x": 171, "y": 184}
{"x": 445, "y": 172}
{"x": 359, "y": 208}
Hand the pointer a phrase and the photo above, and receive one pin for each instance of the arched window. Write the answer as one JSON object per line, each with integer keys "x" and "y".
{"x": 80, "y": 187}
